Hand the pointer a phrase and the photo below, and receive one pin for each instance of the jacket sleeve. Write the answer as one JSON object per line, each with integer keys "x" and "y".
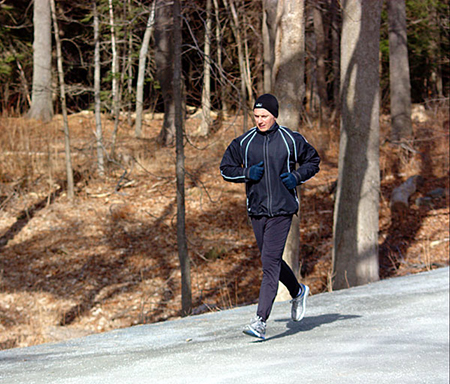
{"x": 231, "y": 166}
{"x": 307, "y": 158}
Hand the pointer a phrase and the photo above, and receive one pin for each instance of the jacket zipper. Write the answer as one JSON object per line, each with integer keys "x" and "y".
{"x": 267, "y": 168}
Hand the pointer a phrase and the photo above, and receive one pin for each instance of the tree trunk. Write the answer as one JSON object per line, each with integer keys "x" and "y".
{"x": 97, "y": 100}
{"x": 69, "y": 170}
{"x": 130, "y": 66}
{"x": 355, "y": 232}
{"x": 141, "y": 71}
{"x": 269, "y": 28}
{"x": 248, "y": 74}
{"x": 320, "y": 63}
{"x": 399, "y": 71}
{"x": 336, "y": 54}
{"x": 186, "y": 294}
{"x": 115, "y": 91}
{"x": 436, "y": 82}
{"x": 206, "y": 91}
{"x": 222, "y": 78}
{"x": 235, "y": 26}
{"x": 41, "y": 97}
{"x": 23, "y": 80}
{"x": 164, "y": 66}
{"x": 289, "y": 86}
{"x": 312, "y": 96}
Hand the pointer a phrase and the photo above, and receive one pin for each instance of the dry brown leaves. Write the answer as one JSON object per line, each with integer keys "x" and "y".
{"x": 109, "y": 259}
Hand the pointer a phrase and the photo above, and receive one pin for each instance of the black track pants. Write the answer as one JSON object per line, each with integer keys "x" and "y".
{"x": 271, "y": 234}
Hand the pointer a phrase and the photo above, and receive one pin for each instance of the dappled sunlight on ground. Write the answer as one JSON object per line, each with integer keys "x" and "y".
{"x": 109, "y": 258}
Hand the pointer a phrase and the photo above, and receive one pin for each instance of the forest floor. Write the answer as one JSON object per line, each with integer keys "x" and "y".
{"x": 108, "y": 259}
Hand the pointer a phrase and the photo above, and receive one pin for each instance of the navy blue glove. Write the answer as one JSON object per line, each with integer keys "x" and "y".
{"x": 256, "y": 171}
{"x": 289, "y": 180}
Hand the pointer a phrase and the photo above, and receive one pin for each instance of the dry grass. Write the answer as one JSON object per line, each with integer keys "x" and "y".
{"x": 108, "y": 259}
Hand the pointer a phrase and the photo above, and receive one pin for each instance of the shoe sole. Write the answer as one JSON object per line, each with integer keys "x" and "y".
{"x": 252, "y": 332}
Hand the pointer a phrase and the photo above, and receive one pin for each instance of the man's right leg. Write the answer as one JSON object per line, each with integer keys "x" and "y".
{"x": 271, "y": 234}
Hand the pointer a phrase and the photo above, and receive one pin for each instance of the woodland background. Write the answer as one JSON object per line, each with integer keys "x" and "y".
{"x": 107, "y": 258}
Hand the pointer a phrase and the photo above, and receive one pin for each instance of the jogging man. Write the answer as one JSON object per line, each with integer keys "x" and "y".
{"x": 265, "y": 158}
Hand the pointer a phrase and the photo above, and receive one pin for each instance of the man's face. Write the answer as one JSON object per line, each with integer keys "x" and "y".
{"x": 263, "y": 118}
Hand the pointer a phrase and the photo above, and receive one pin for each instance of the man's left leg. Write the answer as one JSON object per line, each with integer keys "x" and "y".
{"x": 299, "y": 292}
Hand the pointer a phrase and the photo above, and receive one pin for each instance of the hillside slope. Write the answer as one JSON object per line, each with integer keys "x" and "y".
{"x": 108, "y": 259}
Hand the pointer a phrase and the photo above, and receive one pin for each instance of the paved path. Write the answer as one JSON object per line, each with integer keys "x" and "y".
{"x": 393, "y": 331}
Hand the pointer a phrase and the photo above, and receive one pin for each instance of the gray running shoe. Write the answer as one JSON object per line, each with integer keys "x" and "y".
{"x": 299, "y": 304}
{"x": 256, "y": 328}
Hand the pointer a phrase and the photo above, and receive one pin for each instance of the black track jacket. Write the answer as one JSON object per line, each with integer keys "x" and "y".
{"x": 280, "y": 149}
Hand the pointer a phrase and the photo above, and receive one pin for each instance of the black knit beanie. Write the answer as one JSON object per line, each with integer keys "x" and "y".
{"x": 269, "y": 102}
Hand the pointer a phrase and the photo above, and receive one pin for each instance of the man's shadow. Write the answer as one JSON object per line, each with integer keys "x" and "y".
{"x": 309, "y": 323}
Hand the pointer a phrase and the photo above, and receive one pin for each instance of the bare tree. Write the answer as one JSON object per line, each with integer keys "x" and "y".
{"x": 321, "y": 46}
{"x": 164, "y": 66}
{"x": 115, "y": 90}
{"x": 141, "y": 71}
{"x": 206, "y": 91}
{"x": 269, "y": 27}
{"x": 248, "y": 74}
{"x": 400, "y": 84}
{"x": 41, "y": 98}
{"x": 437, "y": 57}
{"x": 288, "y": 72}
{"x": 69, "y": 170}
{"x": 222, "y": 78}
{"x": 129, "y": 65}
{"x": 97, "y": 101}
{"x": 312, "y": 96}
{"x": 236, "y": 28}
{"x": 186, "y": 294}
{"x": 355, "y": 232}
{"x": 335, "y": 53}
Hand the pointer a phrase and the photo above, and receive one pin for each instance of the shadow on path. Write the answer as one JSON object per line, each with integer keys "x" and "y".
{"x": 309, "y": 323}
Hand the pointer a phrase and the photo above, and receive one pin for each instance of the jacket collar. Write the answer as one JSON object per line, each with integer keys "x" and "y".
{"x": 271, "y": 130}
